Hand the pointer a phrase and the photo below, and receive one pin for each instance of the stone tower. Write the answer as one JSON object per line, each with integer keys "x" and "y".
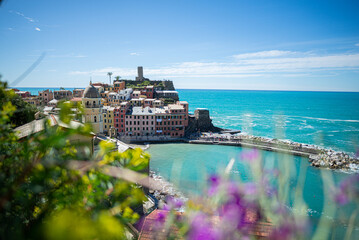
{"x": 139, "y": 74}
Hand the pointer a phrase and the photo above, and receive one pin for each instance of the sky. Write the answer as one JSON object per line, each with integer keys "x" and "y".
{"x": 240, "y": 44}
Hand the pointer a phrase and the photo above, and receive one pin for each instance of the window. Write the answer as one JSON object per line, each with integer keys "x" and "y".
{"x": 95, "y": 119}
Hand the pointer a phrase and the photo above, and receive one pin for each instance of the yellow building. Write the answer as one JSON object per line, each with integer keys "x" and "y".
{"x": 108, "y": 118}
{"x": 91, "y": 102}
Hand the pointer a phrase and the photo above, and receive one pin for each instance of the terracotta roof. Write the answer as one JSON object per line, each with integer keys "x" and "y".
{"x": 76, "y": 99}
{"x": 260, "y": 230}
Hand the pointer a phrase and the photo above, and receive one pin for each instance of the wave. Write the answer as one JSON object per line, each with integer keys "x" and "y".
{"x": 328, "y": 119}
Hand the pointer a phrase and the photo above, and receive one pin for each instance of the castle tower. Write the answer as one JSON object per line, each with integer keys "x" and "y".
{"x": 139, "y": 73}
{"x": 91, "y": 102}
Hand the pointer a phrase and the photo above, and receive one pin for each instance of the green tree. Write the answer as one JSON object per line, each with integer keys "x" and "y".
{"x": 24, "y": 112}
{"x": 50, "y": 190}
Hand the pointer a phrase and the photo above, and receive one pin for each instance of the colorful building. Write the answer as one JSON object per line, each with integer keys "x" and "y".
{"x": 108, "y": 118}
{"x": 78, "y": 92}
{"x": 140, "y": 122}
{"x": 92, "y": 109}
{"x": 46, "y": 96}
{"x": 62, "y": 94}
{"x": 119, "y": 85}
{"x": 120, "y": 116}
{"x": 148, "y": 91}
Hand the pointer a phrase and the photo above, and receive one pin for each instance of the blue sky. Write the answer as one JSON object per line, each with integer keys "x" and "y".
{"x": 273, "y": 45}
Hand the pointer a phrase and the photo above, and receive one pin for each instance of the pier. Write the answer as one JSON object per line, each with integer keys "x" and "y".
{"x": 319, "y": 157}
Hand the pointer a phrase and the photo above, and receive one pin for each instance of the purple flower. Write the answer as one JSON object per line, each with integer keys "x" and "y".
{"x": 341, "y": 198}
{"x": 173, "y": 203}
{"x": 250, "y": 188}
{"x": 283, "y": 232}
{"x": 347, "y": 189}
{"x": 201, "y": 229}
{"x": 161, "y": 217}
{"x": 250, "y": 155}
{"x": 214, "y": 182}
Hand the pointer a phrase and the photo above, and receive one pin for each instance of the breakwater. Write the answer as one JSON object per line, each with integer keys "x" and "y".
{"x": 319, "y": 157}
{"x": 168, "y": 190}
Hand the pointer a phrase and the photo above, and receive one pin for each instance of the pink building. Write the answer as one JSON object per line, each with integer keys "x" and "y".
{"x": 78, "y": 92}
{"x": 46, "y": 96}
{"x": 140, "y": 122}
{"x": 23, "y": 94}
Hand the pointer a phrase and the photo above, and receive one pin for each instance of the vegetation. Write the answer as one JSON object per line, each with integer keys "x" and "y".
{"x": 24, "y": 112}
{"x": 50, "y": 190}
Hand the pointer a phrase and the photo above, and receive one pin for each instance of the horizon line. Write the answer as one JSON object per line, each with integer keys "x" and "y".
{"x": 227, "y": 89}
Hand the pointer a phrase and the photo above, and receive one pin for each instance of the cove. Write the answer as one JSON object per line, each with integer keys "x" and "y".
{"x": 188, "y": 166}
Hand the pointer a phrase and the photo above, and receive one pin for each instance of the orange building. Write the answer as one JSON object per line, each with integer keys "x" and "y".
{"x": 119, "y": 85}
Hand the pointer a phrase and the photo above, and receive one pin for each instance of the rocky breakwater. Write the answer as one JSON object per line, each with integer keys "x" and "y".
{"x": 319, "y": 157}
{"x": 168, "y": 190}
{"x": 334, "y": 160}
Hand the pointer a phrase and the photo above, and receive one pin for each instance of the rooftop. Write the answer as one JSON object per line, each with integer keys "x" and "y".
{"x": 175, "y": 107}
{"x": 91, "y": 92}
{"x": 152, "y": 230}
{"x": 143, "y": 111}
{"x": 76, "y": 99}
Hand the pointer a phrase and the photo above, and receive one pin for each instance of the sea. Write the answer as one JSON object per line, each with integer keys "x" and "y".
{"x": 326, "y": 119}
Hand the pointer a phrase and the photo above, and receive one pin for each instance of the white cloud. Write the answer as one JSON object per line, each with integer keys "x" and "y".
{"x": 134, "y": 54}
{"x": 357, "y": 45}
{"x": 254, "y": 66}
{"x": 37, "y": 29}
{"x": 23, "y": 15}
{"x": 263, "y": 54}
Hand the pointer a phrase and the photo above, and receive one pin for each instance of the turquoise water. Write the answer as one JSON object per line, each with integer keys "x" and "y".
{"x": 330, "y": 119}
{"x": 35, "y": 91}
{"x": 188, "y": 166}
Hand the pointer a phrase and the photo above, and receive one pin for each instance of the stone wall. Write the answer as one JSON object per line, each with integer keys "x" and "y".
{"x": 168, "y": 85}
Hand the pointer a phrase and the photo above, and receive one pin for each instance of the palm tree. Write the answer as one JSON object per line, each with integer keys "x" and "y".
{"x": 118, "y": 78}
{"x": 109, "y": 75}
